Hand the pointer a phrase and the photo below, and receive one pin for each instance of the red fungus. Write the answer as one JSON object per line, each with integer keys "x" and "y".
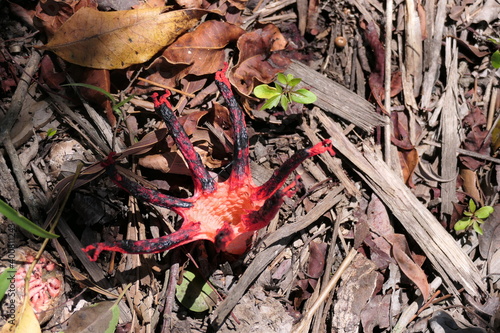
{"x": 226, "y": 213}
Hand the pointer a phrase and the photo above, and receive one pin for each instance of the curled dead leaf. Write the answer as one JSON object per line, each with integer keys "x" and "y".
{"x": 203, "y": 48}
{"x": 262, "y": 56}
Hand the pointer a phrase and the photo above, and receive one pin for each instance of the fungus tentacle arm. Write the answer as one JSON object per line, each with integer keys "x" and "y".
{"x": 279, "y": 176}
{"x": 203, "y": 182}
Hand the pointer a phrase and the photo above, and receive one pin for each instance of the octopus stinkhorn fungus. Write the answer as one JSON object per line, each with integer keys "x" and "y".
{"x": 226, "y": 213}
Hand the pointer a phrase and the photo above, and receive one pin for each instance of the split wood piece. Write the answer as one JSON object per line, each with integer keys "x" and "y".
{"x": 103, "y": 127}
{"x": 432, "y": 48}
{"x": 94, "y": 138}
{"x": 20, "y": 94}
{"x": 449, "y": 128}
{"x": 337, "y": 99}
{"x": 6, "y": 125}
{"x": 8, "y": 188}
{"x": 439, "y": 246}
{"x": 275, "y": 242}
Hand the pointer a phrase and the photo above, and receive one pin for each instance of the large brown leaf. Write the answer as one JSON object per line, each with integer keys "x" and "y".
{"x": 111, "y": 40}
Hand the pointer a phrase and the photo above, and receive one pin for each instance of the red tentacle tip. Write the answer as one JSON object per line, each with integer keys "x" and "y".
{"x": 91, "y": 247}
{"x": 325, "y": 145}
{"x": 221, "y": 75}
{"x": 109, "y": 160}
{"x": 163, "y": 99}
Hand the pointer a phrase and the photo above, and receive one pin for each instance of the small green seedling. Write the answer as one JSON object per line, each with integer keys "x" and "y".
{"x": 283, "y": 92}
{"x": 51, "y": 132}
{"x": 495, "y": 59}
{"x": 474, "y": 217}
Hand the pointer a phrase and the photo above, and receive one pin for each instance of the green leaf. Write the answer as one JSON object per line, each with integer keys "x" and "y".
{"x": 194, "y": 293}
{"x": 284, "y": 102}
{"x": 477, "y": 227}
{"x": 119, "y": 105}
{"x": 282, "y": 78}
{"x": 303, "y": 96}
{"x": 89, "y": 86}
{"x": 265, "y": 91}
{"x": 472, "y": 206}
{"x": 271, "y": 102}
{"x": 462, "y": 224}
{"x": 51, "y": 132}
{"x": 293, "y": 82}
{"x": 279, "y": 88}
{"x": 484, "y": 212}
{"x": 495, "y": 59}
{"x": 5, "y": 279}
{"x": 468, "y": 214}
{"x": 23, "y": 222}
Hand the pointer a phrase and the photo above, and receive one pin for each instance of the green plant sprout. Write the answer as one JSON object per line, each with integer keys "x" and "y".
{"x": 283, "y": 92}
{"x": 474, "y": 217}
{"x": 51, "y": 132}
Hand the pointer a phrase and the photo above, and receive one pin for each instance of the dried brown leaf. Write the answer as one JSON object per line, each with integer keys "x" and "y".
{"x": 203, "y": 48}
{"x": 471, "y": 185}
{"x": 111, "y": 40}
{"x": 408, "y": 155}
{"x": 317, "y": 254}
{"x": 414, "y": 272}
{"x": 191, "y": 4}
{"x": 376, "y": 313}
{"x": 489, "y": 241}
{"x": 261, "y": 58}
{"x": 50, "y": 15}
{"x": 97, "y": 78}
{"x": 376, "y": 78}
{"x": 378, "y": 218}
{"x": 49, "y": 74}
{"x": 477, "y": 139}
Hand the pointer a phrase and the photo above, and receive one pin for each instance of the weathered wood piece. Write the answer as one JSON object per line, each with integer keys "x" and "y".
{"x": 449, "y": 128}
{"x": 453, "y": 265}
{"x": 337, "y": 99}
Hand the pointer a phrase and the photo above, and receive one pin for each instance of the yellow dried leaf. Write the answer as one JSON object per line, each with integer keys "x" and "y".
{"x": 25, "y": 321}
{"x": 112, "y": 40}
